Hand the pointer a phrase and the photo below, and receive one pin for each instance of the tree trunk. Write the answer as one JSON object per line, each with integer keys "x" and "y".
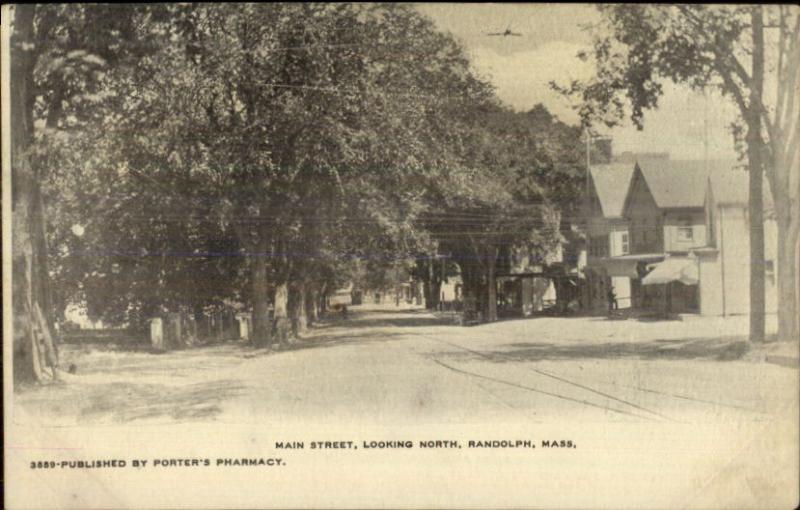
{"x": 491, "y": 283}
{"x": 757, "y": 296}
{"x": 755, "y": 156}
{"x": 281, "y": 326}
{"x": 786, "y": 280}
{"x": 312, "y": 298}
{"x": 260, "y": 336}
{"x": 471, "y": 290}
{"x": 436, "y": 294}
{"x": 322, "y": 301}
{"x": 35, "y": 355}
{"x": 426, "y": 292}
{"x": 298, "y": 309}
{"x": 40, "y": 254}
{"x": 433, "y": 286}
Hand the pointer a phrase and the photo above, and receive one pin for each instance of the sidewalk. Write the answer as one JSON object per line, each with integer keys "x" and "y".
{"x": 786, "y": 354}
{"x": 721, "y": 338}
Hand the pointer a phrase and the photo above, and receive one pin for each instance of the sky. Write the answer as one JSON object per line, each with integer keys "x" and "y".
{"x": 521, "y": 69}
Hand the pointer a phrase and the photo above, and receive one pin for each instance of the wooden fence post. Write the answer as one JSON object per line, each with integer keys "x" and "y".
{"x": 157, "y": 334}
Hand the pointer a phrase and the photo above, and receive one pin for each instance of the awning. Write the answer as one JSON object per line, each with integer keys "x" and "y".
{"x": 673, "y": 269}
{"x": 626, "y": 265}
{"x": 620, "y": 267}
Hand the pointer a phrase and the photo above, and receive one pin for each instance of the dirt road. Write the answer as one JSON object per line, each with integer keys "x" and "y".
{"x": 390, "y": 365}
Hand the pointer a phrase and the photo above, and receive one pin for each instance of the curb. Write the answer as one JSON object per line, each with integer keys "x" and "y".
{"x": 784, "y": 361}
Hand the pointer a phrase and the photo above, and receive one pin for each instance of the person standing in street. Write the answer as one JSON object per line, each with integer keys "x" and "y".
{"x": 612, "y": 299}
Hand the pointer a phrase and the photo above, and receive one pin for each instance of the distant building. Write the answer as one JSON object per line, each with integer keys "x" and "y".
{"x": 452, "y": 289}
{"x": 665, "y": 208}
{"x": 342, "y": 296}
{"x": 724, "y": 261}
{"x": 607, "y": 235}
{"x": 78, "y": 315}
{"x": 687, "y": 248}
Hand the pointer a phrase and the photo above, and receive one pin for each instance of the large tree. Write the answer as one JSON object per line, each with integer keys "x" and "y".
{"x": 59, "y": 55}
{"x": 292, "y": 134}
{"x": 308, "y": 105}
{"x": 270, "y": 148}
{"x": 752, "y": 55}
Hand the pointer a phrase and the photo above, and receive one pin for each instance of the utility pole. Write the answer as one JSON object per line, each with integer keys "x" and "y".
{"x": 587, "y": 205}
{"x": 587, "y": 199}
{"x": 705, "y": 129}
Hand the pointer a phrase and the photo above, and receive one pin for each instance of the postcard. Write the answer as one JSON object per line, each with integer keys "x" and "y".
{"x": 367, "y": 255}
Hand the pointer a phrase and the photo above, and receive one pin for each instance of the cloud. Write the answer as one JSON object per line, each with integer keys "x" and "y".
{"x": 521, "y": 69}
{"x": 522, "y": 78}
{"x": 687, "y": 124}
{"x": 684, "y": 122}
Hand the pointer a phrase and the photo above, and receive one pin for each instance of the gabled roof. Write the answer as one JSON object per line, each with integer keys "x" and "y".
{"x": 732, "y": 187}
{"x": 681, "y": 184}
{"x": 611, "y": 185}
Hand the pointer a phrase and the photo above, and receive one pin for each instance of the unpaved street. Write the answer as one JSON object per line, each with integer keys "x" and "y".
{"x": 403, "y": 366}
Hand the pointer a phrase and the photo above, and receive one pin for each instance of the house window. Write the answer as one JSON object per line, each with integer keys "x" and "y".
{"x": 769, "y": 271}
{"x": 625, "y": 247}
{"x": 685, "y": 230}
{"x": 599, "y": 246}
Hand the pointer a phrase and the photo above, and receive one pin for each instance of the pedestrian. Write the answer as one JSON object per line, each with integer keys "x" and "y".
{"x": 612, "y": 299}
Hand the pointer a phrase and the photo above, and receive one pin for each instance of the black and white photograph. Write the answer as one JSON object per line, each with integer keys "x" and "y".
{"x": 413, "y": 255}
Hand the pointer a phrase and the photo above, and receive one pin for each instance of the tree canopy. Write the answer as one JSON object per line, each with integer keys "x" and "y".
{"x": 188, "y": 156}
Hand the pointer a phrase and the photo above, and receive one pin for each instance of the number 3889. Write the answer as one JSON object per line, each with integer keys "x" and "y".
{"x": 46, "y": 464}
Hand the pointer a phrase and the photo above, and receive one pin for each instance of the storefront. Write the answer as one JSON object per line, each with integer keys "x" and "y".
{"x": 612, "y": 279}
{"x": 552, "y": 290}
{"x": 671, "y": 286}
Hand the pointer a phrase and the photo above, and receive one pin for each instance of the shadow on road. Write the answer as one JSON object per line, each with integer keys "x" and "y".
{"x": 123, "y": 402}
{"x": 385, "y": 318}
{"x": 332, "y": 340}
{"x": 364, "y": 327}
{"x": 721, "y": 349}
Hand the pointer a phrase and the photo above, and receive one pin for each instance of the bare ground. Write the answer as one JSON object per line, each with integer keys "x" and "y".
{"x": 404, "y": 365}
